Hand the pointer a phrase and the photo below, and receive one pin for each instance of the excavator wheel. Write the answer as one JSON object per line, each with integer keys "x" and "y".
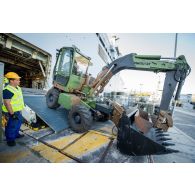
{"x": 52, "y": 98}
{"x": 80, "y": 118}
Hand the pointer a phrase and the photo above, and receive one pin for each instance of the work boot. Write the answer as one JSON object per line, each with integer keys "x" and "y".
{"x": 11, "y": 143}
{"x": 20, "y": 136}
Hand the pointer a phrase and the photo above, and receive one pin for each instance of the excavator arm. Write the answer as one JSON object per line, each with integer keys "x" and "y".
{"x": 141, "y": 140}
{"x": 176, "y": 70}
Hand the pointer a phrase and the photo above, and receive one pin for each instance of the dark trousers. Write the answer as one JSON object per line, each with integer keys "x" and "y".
{"x": 13, "y": 126}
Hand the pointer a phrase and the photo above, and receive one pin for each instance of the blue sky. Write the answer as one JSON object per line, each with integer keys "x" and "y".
{"x": 140, "y": 43}
{"x": 157, "y": 44}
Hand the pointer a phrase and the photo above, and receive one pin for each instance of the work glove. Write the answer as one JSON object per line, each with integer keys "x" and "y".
{"x": 14, "y": 116}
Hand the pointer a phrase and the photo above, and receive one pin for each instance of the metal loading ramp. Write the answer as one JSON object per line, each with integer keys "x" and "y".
{"x": 55, "y": 119}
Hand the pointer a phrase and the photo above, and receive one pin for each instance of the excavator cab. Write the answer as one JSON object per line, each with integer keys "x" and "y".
{"x": 70, "y": 69}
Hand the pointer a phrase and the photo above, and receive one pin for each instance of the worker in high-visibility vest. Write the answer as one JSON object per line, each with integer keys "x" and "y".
{"x": 4, "y": 121}
{"x": 13, "y": 104}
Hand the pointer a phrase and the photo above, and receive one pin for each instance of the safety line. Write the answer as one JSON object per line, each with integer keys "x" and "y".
{"x": 55, "y": 148}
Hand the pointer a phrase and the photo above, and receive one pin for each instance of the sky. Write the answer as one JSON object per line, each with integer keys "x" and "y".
{"x": 156, "y": 44}
{"x": 140, "y": 43}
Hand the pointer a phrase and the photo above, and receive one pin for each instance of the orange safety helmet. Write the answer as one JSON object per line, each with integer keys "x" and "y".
{"x": 12, "y": 75}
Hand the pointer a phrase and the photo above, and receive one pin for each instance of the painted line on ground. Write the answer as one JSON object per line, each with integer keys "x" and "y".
{"x": 184, "y": 134}
{"x": 185, "y": 124}
{"x": 185, "y": 112}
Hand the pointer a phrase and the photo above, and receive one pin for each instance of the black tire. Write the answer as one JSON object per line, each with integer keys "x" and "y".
{"x": 52, "y": 98}
{"x": 80, "y": 118}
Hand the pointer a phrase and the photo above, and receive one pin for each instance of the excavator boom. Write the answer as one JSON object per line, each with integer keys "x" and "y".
{"x": 176, "y": 70}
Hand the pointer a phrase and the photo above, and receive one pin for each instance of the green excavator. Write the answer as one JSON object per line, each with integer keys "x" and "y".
{"x": 75, "y": 90}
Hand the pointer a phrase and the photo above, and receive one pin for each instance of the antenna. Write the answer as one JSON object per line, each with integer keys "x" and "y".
{"x": 175, "y": 50}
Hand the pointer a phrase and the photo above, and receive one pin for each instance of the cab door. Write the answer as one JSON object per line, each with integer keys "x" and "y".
{"x": 63, "y": 66}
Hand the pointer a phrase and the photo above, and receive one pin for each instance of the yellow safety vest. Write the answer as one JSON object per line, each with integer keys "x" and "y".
{"x": 17, "y": 101}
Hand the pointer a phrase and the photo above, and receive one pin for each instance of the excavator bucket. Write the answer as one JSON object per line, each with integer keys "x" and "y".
{"x": 136, "y": 136}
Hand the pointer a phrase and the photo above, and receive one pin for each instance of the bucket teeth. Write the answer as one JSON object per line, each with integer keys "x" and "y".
{"x": 158, "y": 130}
{"x": 164, "y": 139}
{"x": 162, "y": 135}
{"x": 167, "y": 144}
{"x": 169, "y": 150}
{"x": 131, "y": 141}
